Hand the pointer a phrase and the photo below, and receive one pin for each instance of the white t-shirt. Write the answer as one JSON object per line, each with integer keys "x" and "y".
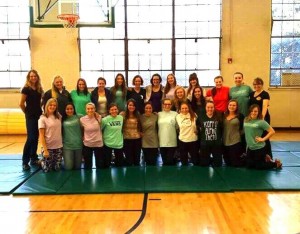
{"x": 187, "y": 128}
{"x": 167, "y": 134}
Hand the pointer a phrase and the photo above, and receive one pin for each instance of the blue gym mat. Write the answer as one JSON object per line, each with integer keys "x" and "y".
{"x": 12, "y": 175}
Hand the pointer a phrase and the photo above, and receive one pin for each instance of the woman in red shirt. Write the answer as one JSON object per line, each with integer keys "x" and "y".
{"x": 219, "y": 95}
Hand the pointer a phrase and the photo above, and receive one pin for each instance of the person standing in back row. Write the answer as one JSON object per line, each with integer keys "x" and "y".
{"x": 241, "y": 93}
{"x": 137, "y": 93}
{"x": 30, "y": 104}
{"x": 219, "y": 95}
{"x": 58, "y": 92}
{"x": 262, "y": 99}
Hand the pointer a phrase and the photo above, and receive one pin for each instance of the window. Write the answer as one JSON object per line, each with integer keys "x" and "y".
{"x": 157, "y": 36}
{"x": 285, "y": 43}
{"x": 14, "y": 47}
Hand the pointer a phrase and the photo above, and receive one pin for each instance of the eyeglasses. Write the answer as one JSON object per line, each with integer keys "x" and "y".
{"x": 257, "y": 84}
{"x": 167, "y": 104}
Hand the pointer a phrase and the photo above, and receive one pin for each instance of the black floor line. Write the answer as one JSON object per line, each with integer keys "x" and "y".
{"x": 79, "y": 211}
{"x": 142, "y": 215}
{"x": 6, "y": 146}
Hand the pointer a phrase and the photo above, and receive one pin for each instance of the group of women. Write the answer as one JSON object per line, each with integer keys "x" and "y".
{"x": 116, "y": 125}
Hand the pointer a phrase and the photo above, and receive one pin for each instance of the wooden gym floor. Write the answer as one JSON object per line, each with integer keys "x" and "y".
{"x": 238, "y": 212}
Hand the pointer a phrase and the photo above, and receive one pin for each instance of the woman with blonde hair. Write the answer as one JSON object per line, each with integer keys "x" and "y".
{"x": 50, "y": 136}
{"x": 30, "y": 104}
{"x": 92, "y": 138}
{"x": 58, "y": 92}
{"x": 179, "y": 97}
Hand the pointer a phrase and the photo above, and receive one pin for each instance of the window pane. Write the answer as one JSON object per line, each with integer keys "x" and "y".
{"x": 285, "y": 40}
{"x": 197, "y": 54}
{"x": 14, "y": 47}
{"x": 149, "y": 54}
{"x": 102, "y": 55}
{"x": 150, "y": 37}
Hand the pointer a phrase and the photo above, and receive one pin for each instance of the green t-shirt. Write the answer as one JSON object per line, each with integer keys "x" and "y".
{"x": 80, "y": 101}
{"x": 112, "y": 131}
{"x": 254, "y": 128}
{"x": 72, "y": 136}
{"x": 242, "y": 95}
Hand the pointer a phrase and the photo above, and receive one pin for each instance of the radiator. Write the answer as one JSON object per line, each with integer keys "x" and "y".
{"x": 290, "y": 79}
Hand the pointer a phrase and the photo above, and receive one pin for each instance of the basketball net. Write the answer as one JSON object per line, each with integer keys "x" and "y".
{"x": 69, "y": 22}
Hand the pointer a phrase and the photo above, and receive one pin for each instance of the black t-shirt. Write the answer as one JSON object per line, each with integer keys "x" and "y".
{"x": 138, "y": 97}
{"x": 259, "y": 101}
{"x": 33, "y": 102}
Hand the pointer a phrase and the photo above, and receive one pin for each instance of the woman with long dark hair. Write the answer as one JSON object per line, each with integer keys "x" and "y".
{"x": 30, "y": 104}
{"x": 132, "y": 134}
{"x": 154, "y": 92}
{"x": 80, "y": 96}
{"x": 257, "y": 155}
{"x": 211, "y": 137}
{"x": 149, "y": 135}
{"x": 233, "y": 122}
{"x": 119, "y": 92}
{"x": 101, "y": 97}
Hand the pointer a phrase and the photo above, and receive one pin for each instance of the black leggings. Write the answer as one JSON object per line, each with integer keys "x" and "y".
{"x": 257, "y": 159}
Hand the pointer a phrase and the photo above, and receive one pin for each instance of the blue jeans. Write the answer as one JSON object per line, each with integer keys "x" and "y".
{"x": 30, "y": 147}
{"x": 72, "y": 159}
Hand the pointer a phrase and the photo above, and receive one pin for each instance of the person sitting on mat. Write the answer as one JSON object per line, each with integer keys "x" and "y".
{"x": 92, "y": 138}
{"x": 112, "y": 126}
{"x": 234, "y": 149}
{"x": 210, "y": 136}
{"x": 51, "y": 137}
{"x": 72, "y": 138}
{"x": 254, "y": 126}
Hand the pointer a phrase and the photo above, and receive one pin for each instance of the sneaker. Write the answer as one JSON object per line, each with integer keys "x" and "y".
{"x": 35, "y": 163}
{"x": 26, "y": 167}
{"x": 278, "y": 164}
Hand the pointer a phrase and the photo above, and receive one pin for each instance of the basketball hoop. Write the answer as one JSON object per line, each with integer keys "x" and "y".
{"x": 68, "y": 20}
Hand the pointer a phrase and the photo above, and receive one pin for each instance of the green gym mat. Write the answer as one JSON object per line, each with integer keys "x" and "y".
{"x": 110, "y": 180}
{"x": 285, "y": 146}
{"x": 242, "y": 179}
{"x": 12, "y": 175}
{"x": 288, "y": 159}
{"x": 295, "y": 171}
{"x": 283, "y": 179}
{"x": 183, "y": 179}
{"x": 44, "y": 183}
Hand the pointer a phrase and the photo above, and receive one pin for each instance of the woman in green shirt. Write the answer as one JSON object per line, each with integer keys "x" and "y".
{"x": 112, "y": 126}
{"x": 72, "y": 139}
{"x": 254, "y": 126}
{"x": 80, "y": 96}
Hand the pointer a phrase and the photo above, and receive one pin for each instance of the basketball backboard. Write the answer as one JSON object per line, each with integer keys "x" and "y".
{"x": 92, "y": 13}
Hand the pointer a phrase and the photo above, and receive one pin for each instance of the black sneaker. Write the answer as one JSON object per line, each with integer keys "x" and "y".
{"x": 35, "y": 163}
{"x": 26, "y": 167}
